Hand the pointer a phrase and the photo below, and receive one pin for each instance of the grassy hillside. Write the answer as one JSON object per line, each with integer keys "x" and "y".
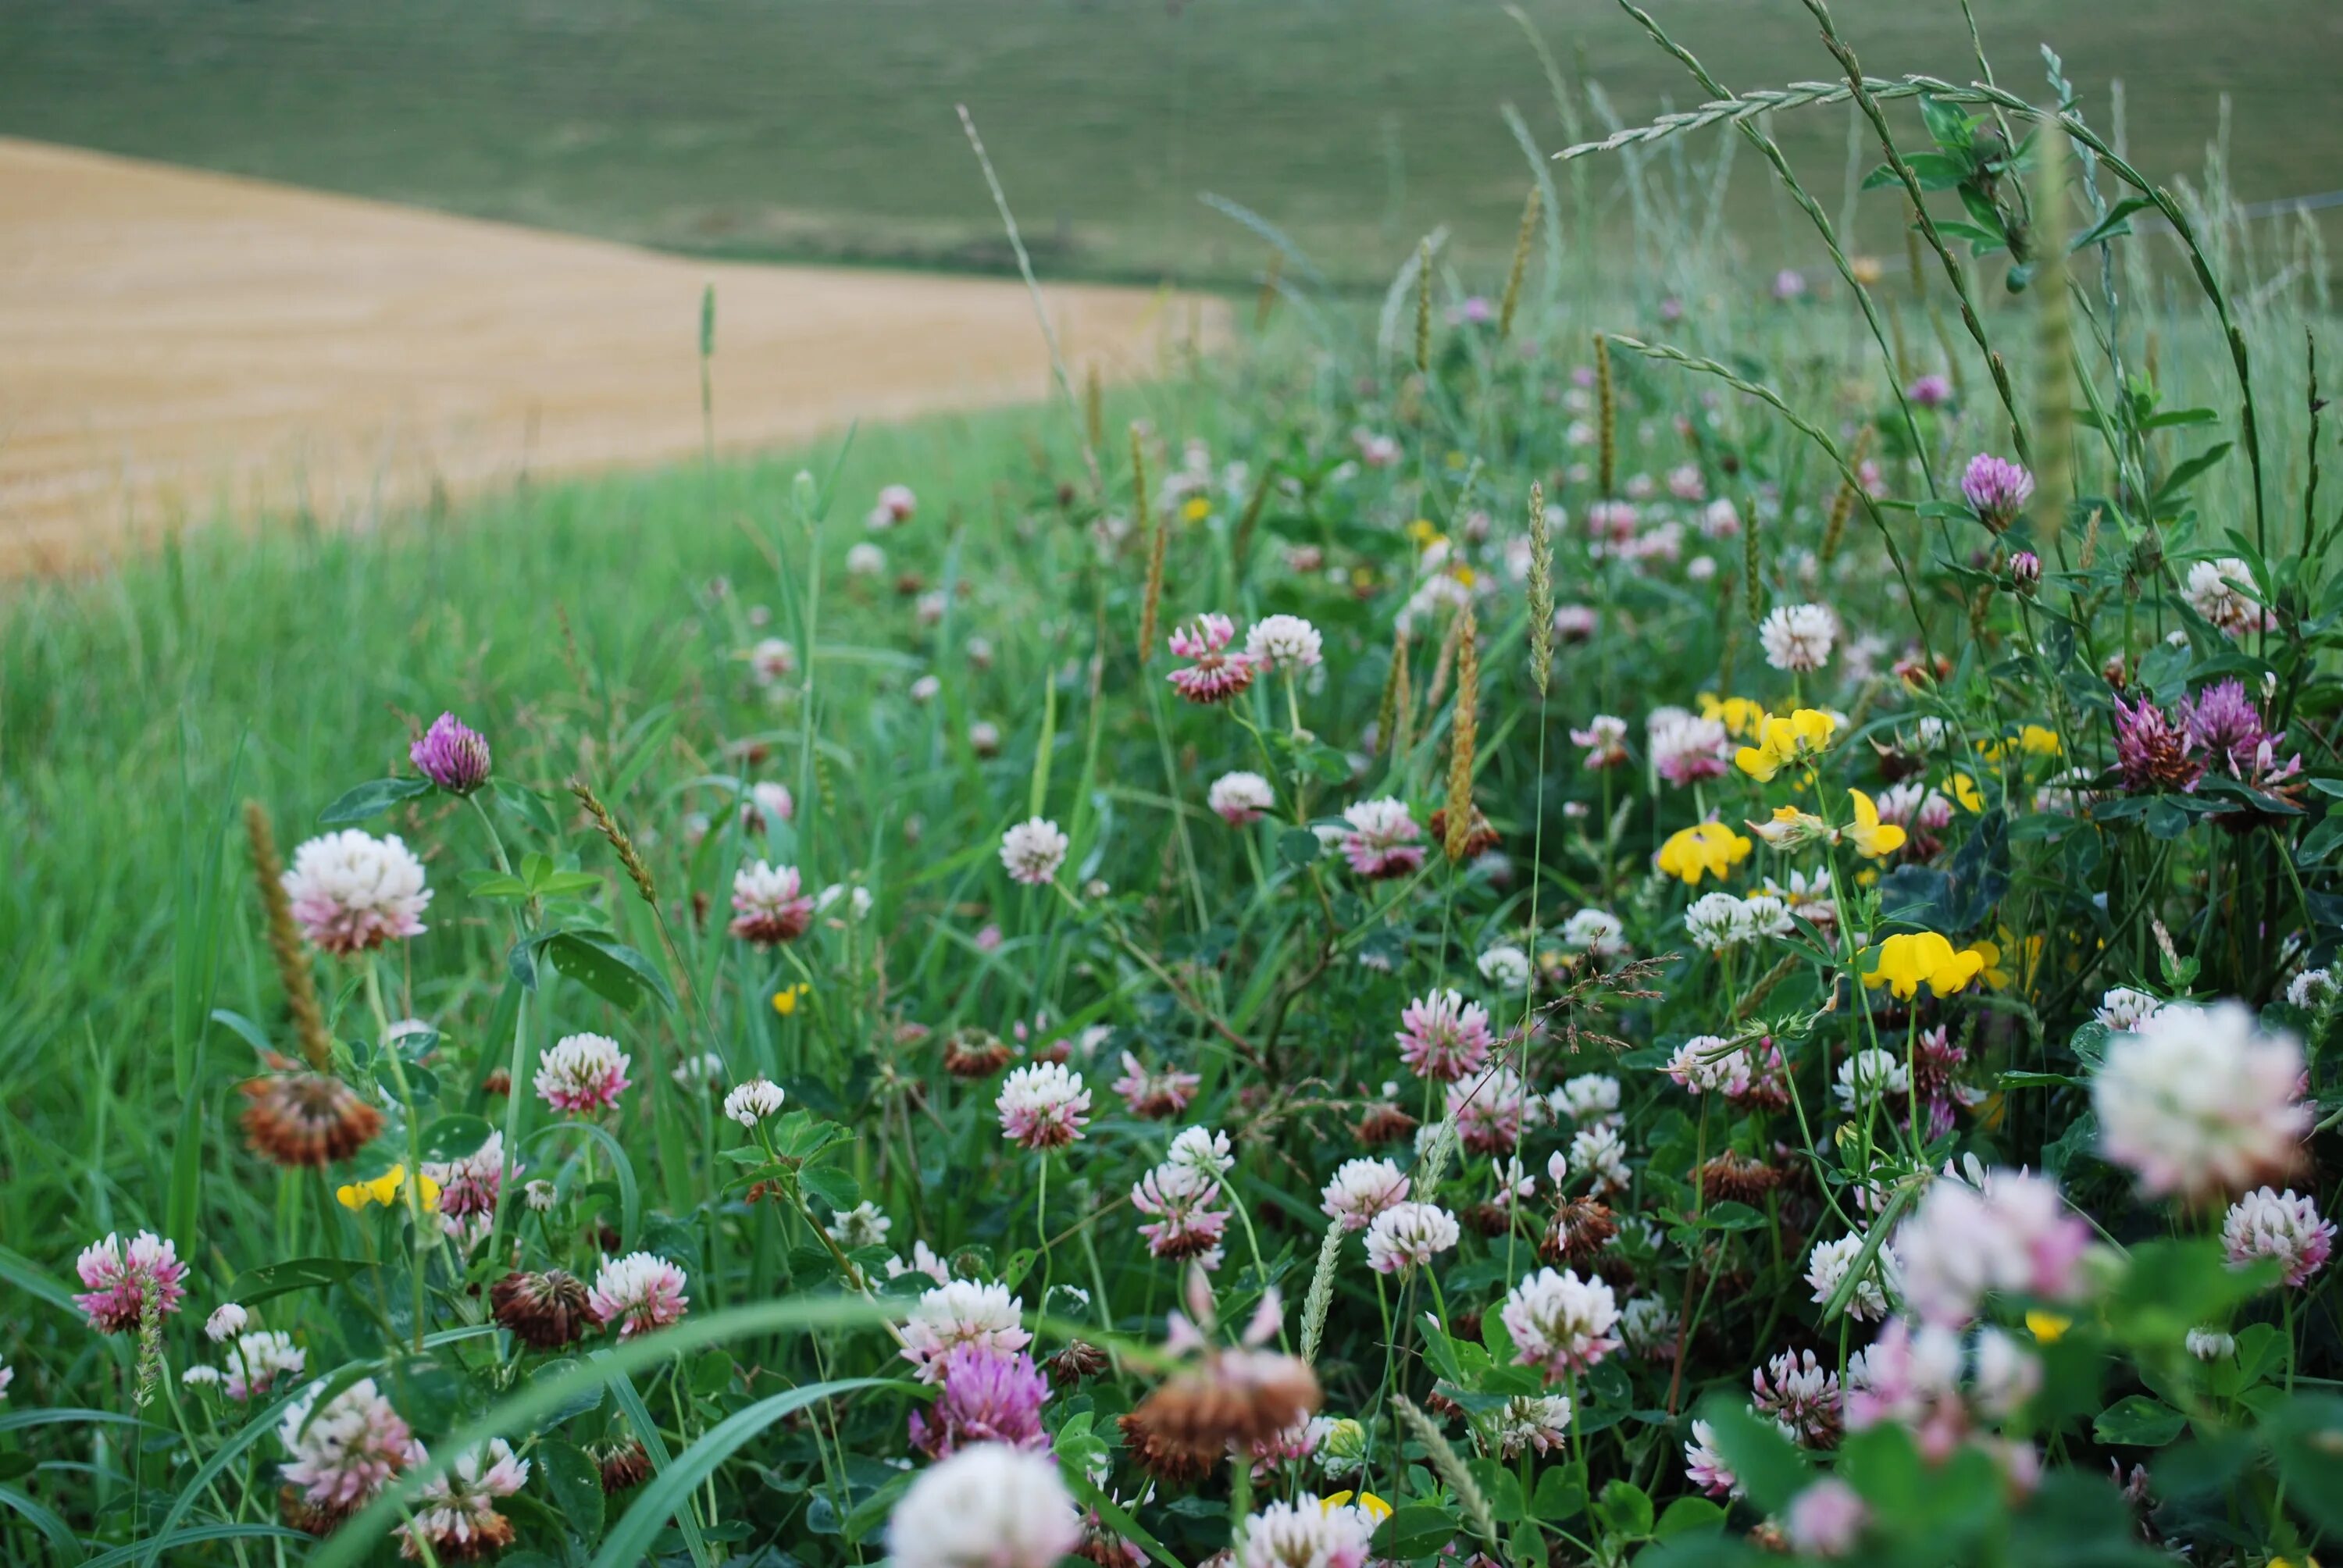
{"x": 824, "y": 127}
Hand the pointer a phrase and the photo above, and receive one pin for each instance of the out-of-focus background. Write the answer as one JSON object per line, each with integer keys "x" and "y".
{"x": 822, "y": 129}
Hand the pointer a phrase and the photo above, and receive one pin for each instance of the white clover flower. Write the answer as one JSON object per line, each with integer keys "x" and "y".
{"x": 1866, "y": 1076}
{"x": 1647, "y": 1325}
{"x": 351, "y": 891}
{"x": 1032, "y": 850}
{"x": 2124, "y": 1010}
{"x": 1538, "y": 1423}
{"x": 1505, "y": 967}
{"x": 1599, "y": 1151}
{"x": 1241, "y": 798}
{"x": 865, "y": 559}
{"x": 1589, "y": 1097}
{"x": 2265, "y": 1224}
{"x": 2200, "y": 1100}
{"x": 2211, "y": 1344}
{"x": 751, "y": 1102}
{"x": 772, "y": 660}
{"x": 862, "y": 1226}
{"x": 1798, "y": 636}
{"x": 1306, "y": 1535}
{"x": 1360, "y": 1190}
{"x": 857, "y": 899}
{"x": 2311, "y": 990}
{"x": 1828, "y": 1265}
{"x": 1203, "y": 1150}
{"x": 1043, "y": 1105}
{"x": 1560, "y": 1323}
{"x": 1598, "y": 933}
{"x": 1715, "y": 922}
{"x": 962, "y": 1312}
{"x": 261, "y": 1361}
{"x": 1284, "y": 642}
{"x": 988, "y": 1505}
{"x": 197, "y": 1376}
{"x": 226, "y": 1322}
{"x": 1409, "y": 1236}
{"x": 2211, "y": 593}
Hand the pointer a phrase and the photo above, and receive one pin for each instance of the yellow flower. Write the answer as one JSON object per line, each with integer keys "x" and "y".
{"x": 2026, "y": 955}
{"x": 1706, "y": 847}
{"x": 384, "y": 1190}
{"x": 1741, "y": 716}
{"x": 2037, "y": 741}
{"x": 1374, "y": 1507}
{"x": 1462, "y": 574}
{"x": 1904, "y": 961}
{"x": 1790, "y": 828}
{"x": 1196, "y": 509}
{"x": 1965, "y": 790}
{"x": 785, "y": 1000}
{"x": 1872, "y": 837}
{"x": 1805, "y": 734}
{"x": 1455, "y": 459}
{"x": 1422, "y": 533}
{"x": 2048, "y": 1328}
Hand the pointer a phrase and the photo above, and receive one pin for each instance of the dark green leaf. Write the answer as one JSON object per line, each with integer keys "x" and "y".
{"x": 371, "y": 799}
{"x": 1297, "y": 846}
{"x": 2139, "y": 1421}
{"x": 574, "y": 1481}
{"x": 607, "y": 966}
{"x": 257, "y": 1285}
{"x": 455, "y": 1137}
{"x": 1418, "y": 1530}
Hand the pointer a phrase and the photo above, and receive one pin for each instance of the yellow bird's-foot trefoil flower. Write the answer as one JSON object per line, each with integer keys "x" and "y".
{"x": 1705, "y": 848}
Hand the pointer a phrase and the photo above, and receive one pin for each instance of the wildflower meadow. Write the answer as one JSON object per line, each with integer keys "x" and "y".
{"x": 1609, "y": 907}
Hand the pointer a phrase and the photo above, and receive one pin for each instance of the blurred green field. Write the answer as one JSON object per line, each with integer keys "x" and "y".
{"x": 824, "y": 128}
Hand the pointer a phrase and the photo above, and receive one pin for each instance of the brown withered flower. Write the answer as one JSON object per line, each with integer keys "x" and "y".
{"x": 1079, "y": 1361}
{"x": 1582, "y": 1229}
{"x": 1489, "y": 1219}
{"x": 623, "y": 1464}
{"x": 307, "y": 1118}
{"x": 543, "y": 1310}
{"x": 1230, "y": 1396}
{"x": 498, "y": 1084}
{"x": 1386, "y": 1123}
{"x": 1169, "y": 1465}
{"x": 1480, "y": 838}
{"x": 1738, "y": 1177}
{"x": 974, "y": 1054}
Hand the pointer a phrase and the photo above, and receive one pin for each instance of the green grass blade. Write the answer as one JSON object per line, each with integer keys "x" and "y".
{"x": 630, "y": 1541}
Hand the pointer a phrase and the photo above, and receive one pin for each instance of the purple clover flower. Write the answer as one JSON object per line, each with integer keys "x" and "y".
{"x": 987, "y": 1397}
{"x": 452, "y": 755}
{"x": 1998, "y": 488}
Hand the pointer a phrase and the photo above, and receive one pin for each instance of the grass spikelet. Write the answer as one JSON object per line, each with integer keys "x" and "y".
{"x": 1449, "y": 1465}
{"x": 1606, "y": 469}
{"x": 1093, "y": 409}
{"x": 1423, "y": 308}
{"x": 1753, "y": 576}
{"x": 1267, "y": 300}
{"x": 1843, "y": 502}
{"x": 608, "y": 825}
{"x": 1320, "y": 1296}
{"x": 1522, "y": 242}
{"x": 1152, "y": 605}
{"x": 1390, "y": 719}
{"x": 2054, "y": 390}
{"x": 1540, "y": 590}
{"x": 285, "y": 941}
{"x": 1464, "y": 735}
{"x": 1241, "y": 547}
